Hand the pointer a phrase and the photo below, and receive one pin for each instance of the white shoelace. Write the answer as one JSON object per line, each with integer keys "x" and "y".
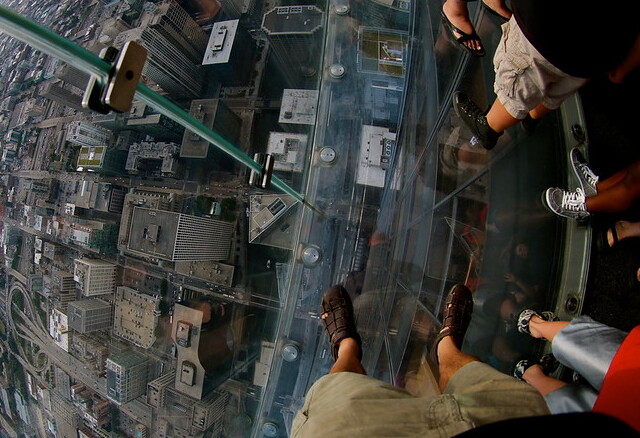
{"x": 588, "y": 174}
{"x": 573, "y": 201}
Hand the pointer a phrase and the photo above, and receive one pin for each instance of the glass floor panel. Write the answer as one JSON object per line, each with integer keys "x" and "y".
{"x": 153, "y": 289}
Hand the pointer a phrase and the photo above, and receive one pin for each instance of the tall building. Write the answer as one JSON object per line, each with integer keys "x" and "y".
{"x": 56, "y": 92}
{"x": 72, "y": 76}
{"x": 86, "y": 316}
{"x": 153, "y": 157}
{"x": 214, "y": 114}
{"x": 230, "y": 53}
{"x": 145, "y": 120}
{"x": 127, "y": 374}
{"x": 295, "y": 37}
{"x": 175, "y": 236}
{"x": 101, "y": 159}
{"x": 175, "y": 45}
{"x": 94, "y": 277}
{"x": 87, "y": 134}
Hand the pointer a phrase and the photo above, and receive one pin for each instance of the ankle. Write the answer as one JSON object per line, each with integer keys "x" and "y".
{"x": 535, "y": 326}
{"x": 348, "y": 346}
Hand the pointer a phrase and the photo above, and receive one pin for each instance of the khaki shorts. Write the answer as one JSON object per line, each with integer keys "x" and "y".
{"x": 352, "y": 405}
{"x": 524, "y": 78}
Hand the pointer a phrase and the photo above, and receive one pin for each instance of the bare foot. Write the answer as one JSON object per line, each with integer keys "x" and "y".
{"x": 458, "y": 14}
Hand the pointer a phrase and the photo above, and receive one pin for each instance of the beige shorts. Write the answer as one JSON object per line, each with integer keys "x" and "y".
{"x": 524, "y": 78}
{"x": 352, "y": 405}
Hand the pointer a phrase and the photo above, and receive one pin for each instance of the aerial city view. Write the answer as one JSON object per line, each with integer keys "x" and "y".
{"x": 146, "y": 275}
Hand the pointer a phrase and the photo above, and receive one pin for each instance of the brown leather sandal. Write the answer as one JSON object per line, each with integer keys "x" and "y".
{"x": 339, "y": 321}
{"x": 456, "y": 317}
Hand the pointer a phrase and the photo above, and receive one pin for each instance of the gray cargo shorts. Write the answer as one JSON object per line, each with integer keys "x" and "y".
{"x": 524, "y": 78}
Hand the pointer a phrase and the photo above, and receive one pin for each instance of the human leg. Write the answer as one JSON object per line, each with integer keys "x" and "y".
{"x": 455, "y": 14}
{"x": 619, "y": 196}
{"x": 456, "y": 318}
{"x": 348, "y": 360}
{"x": 539, "y": 328}
{"x": 498, "y": 8}
{"x": 535, "y": 376}
{"x": 451, "y": 360}
{"x": 339, "y": 322}
{"x": 582, "y": 344}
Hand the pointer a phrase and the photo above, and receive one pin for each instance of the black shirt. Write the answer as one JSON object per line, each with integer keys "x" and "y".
{"x": 582, "y": 38}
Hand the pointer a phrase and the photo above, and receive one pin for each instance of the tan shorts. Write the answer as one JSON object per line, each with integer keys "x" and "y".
{"x": 352, "y": 405}
{"x": 524, "y": 78}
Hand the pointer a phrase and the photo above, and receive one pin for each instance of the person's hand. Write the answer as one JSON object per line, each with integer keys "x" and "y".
{"x": 510, "y": 277}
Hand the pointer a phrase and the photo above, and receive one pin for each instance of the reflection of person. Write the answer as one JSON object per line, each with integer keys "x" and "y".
{"x": 540, "y": 60}
{"x": 348, "y": 403}
{"x": 607, "y": 358}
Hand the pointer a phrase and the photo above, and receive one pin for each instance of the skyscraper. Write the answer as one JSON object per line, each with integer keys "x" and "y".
{"x": 127, "y": 376}
{"x": 56, "y": 92}
{"x": 175, "y": 236}
{"x": 295, "y": 37}
{"x": 87, "y": 316}
{"x": 176, "y": 45}
{"x": 94, "y": 277}
{"x": 87, "y": 134}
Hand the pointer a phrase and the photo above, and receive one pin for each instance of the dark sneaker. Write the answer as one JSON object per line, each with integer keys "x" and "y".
{"x": 476, "y": 120}
{"x": 529, "y": 124}
{"x": 588, "y": 179}
{"x": 565, "y": 203}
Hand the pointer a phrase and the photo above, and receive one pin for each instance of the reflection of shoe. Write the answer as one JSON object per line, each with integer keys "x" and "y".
{"x": 466, "y": 37}
{"x": 475, "y": 119}
{"x": 588, "y": 179}
{"x": 524, "y": 318}
{"x": 548, "y": 363}
{"x": 565, "y": 203}
{"x": 529, "y": 124}
{"x": 339, "y": 321}
{"x": 456, "y": 317}
{"x": 494, "y": 12}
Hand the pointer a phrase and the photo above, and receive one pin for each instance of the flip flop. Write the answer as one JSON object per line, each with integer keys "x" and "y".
{"x": 464, "y": 38}
{"x": 494, "y": 12}
{"x": 456, "y": 317}
{"x": 339, "y": 322}
{"x": 602, "y": 239}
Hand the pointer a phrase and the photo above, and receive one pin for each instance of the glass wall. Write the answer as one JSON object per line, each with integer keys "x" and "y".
{"x": 152, "y": 288}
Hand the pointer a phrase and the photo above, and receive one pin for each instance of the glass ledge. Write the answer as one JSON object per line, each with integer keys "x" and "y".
{"x": 352, "y": 100}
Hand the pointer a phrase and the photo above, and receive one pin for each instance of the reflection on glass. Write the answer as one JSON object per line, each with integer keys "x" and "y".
{"x": 151, "y": 290}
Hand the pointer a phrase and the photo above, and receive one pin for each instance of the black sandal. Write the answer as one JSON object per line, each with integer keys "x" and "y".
{"x": 602, "y": 239}
{"x": 548, "y": 362}
{"x": 456, "y": 318}
{"x": 339, "y": 321}
{"x": 464, "y": 38}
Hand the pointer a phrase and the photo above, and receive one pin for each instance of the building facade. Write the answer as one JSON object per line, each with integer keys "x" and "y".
{"x": 127, "y": 374}
{"x": 94, "y": 277}
{"x": 86, "y": 316}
